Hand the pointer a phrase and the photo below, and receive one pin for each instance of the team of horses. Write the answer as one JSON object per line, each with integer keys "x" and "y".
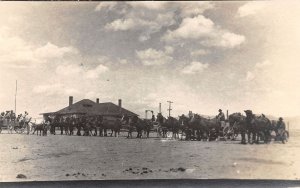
{"x": 252, "y": 128}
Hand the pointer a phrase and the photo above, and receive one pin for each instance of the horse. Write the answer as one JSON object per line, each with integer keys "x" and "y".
{"x": 238, "y": 122}
{"x": 206, "y": 129}
{"x": 173, "y": 125}
{"x": 105, "y": 124}
{"x": 148, "y": 127}
{"x": 114, "y": 125}
{"x": 184, "y": 127}
{"x": 42, "y": 128}
{"x": 260, "y": 126}
{"x": 132, "y": 124}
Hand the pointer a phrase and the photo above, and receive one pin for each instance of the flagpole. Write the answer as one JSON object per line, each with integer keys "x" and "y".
{"x": 16, "y": 97}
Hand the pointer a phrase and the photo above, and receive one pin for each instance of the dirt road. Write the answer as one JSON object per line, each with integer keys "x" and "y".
{"x": 58, "y": 157}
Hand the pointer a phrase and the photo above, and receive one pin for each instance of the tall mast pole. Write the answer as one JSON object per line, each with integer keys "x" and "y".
{"x": 169, "y": 109}
{"x": 16, "y": 97}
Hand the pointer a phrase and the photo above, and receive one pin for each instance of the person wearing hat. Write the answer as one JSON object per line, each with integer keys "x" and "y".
{"x": 280, "y": 127}
{"x": 221, "y": 116}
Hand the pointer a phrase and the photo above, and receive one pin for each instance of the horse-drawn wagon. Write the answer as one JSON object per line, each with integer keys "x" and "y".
{"x": 10, "y": 125}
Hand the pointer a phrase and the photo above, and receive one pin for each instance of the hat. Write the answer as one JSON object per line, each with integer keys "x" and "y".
{"x": 280, "y": 118}
{"x": 220, "y": 110}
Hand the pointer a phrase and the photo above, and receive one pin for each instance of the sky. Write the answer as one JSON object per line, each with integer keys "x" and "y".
{"x": 201, "y": 55}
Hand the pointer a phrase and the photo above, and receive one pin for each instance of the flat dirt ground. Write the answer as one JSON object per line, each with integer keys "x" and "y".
{"x": 56, "y": 157}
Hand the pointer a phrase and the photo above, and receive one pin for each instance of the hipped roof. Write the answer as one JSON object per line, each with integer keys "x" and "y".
{"x": 89, "y": 107}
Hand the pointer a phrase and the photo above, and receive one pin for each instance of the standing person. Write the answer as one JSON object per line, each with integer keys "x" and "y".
{"x": 54, "y": 124}
{"x": 221, "y": 118}
{"x": 67, "y": 125}
{"x": 221, "y": 122}
{"x": 62, "y": 124}
{"x": 26, "y": 120}
{"x": 280, "y": 126}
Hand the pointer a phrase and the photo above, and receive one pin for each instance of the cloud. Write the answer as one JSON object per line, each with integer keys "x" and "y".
{"x": 145, "y": 17}
{"x": 263, "y": 64}
{"x": 225, "y": 40}
{"x": 122, "y": 61}
{"x": 153, "y": 57}
{"x": 194, "y": 8}
{"x": 105, "y": 6}
{"x": 250, "y": 76}
{"x": 147, "y": 25}
{"x": 148, "y": 5}
{"x": 251, "y": 8}
{"x": 200, "y": 52}
{"x": 95, "y": 73}
{"x": 54, "y": 89}
{"x": 72, "y": 70}
{"x": 68, "y": 69}
{"x": 16, "y": 52}
{"x": 191, "y": 28}
{"x": 185, "y": 9}
{"x": 151, "y": 17}
{"x": 194, "y": 67}
{"x": 121, "y": 24}
{"x": 50, "y": 51}
{"x": 200, "y": 27}
{"x": 169, "y": 49}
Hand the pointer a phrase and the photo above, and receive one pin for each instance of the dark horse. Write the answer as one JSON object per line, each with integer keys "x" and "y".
{"x": 104, "y": 124}
{"x": 42, "y": 128}
{"x": 238, "y": 122}
{"x": 148, "y": 126}
{"x": 173, "y": 125}
{"x": 132, "y": 125}
{"x": 204, "y": 128}
{"x": 260, "y": 126}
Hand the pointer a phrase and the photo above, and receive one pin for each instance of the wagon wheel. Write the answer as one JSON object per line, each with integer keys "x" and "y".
{"x": 16, "y": 129}
{"x": 227, "y": 132}
{"x": 19, "y": 130}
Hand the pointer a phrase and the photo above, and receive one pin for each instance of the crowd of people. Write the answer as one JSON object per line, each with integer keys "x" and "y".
{"x": 11, "y": 121}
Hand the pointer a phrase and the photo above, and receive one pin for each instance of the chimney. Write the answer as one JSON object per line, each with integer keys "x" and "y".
{"x": 97, "y": 100}
{"x": 120, "y": 103}
{"x": 70, "y": 100}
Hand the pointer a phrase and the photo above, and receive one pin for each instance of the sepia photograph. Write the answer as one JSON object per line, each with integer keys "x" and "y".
{"x": 145, "y": 90}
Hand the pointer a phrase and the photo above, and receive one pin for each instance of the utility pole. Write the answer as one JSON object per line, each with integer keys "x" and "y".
{"x": 16, "y": 97}
{"x": 169, "y": 109}
{"x": 159, "y": 108}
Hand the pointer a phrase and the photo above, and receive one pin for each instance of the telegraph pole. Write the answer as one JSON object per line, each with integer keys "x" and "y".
{"x": 159, "y": 108}
{"x": 169, "y": 109}
{"x": 16, "y": 97}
